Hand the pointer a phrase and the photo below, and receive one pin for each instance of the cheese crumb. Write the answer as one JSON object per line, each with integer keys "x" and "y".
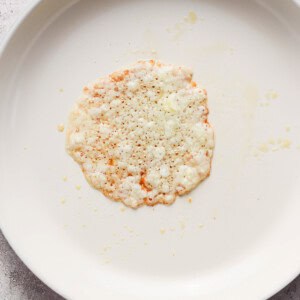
{"x": 162, "y": 231}
{"x": 271, "y": 95}
{"x": 191, "y": 18}
{"x": 60, "y": 127}
{"x": 263, "y": 148}
{"x": 122, "y": 208}
{"x": 285, "y": 144}
{"x": 78, "y": 187}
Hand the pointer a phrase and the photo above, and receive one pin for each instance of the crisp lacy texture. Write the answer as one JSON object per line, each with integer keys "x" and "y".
{"x": 141, "y": 135}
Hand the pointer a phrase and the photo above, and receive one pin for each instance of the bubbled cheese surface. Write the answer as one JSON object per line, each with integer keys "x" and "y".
{"x": 141, "y": 134}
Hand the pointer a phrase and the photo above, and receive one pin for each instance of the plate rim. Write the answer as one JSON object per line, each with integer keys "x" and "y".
{"x": 25, "y": 16}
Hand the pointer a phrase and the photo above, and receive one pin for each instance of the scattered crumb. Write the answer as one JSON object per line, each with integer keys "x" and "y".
{"x": 83, "y": 226}
{"x": 271, "y": 95}
{"x": 263, "y": 148}
{"x": 107, "y": 248}
{"x": 214, "y": 218}
{"x": 78, "y": 187}
{"x": 62, "y": 200}
{"x": 60, "y": 127}
{"x": 190, "y": 200}
{"x": 122, "y": 208}
{"x": 182, "y": 225}
{"x": 287, "y": 128}
{"x": 182, "y": 26}
{"x": 162, "y": 231}
{"x": 65, "y": 178}
{"x": 145, "y": 244}
{"x": 273, "y": 145}
{"x": 255, "y": 154}
{"x": 286, "y": 144}
{"x": 130, "y": 230}
{"x": 272, "y": 141}
{"x": 173, "y": 253}
{"x": 107, "y": 261}
{"x": 61, "y": 90}
{"x": 172, "y": 229}
{"x": 200, "y": 226}
{"x": 95, "y": 209}
{"x": 25, "y": 148}
{"x": 191, "y": 17}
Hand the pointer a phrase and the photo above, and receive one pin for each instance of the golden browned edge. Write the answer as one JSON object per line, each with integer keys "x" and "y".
{"x": 115, "y": 76}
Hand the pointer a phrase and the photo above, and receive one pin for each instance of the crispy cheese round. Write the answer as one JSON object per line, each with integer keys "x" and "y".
{"x": 141, "y": 134}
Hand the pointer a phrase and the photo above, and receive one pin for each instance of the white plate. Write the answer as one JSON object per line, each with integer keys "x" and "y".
{"x": 244, "y": 53}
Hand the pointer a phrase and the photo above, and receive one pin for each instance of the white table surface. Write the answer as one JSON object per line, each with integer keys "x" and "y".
{"x": 16, "y": 281}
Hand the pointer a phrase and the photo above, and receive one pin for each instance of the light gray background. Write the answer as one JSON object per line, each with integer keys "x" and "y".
{"x": 16, "y": 281}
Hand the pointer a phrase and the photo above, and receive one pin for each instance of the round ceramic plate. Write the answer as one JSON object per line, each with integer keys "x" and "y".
{"x": 239, "y": 236}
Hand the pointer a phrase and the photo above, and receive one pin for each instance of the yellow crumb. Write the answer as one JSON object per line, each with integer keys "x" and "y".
{"x": 60, "y": 127}
{"x": 190, "y": 200}
{"x": 65, "y": 178}
{"x": 263, "y": 148}
{"x": 191, "y": 17}
{"x": 95, "y": 210}
{"x": 61, "y": 90}
{"x": 182, "y": 225}
{"x": 255, "y": 154}
{"x": 287, "y": 128}
{"x": 286, "y": 144}
{"x": 62, "y": 200}
{"x": 78, "y": 187}
{"x": 145, "y": 244}
{"x": 172, "y": 229}
{"x": 272, "y": 141}
{"x": 162, "y": 231}
{"x": 25, "y": 148}
{"x": 83, "y": 226}
{"x": 271, "y": 95}
{"x": 105, "y": 249}
{"x": 200, "y": 226}
{"x": 122, "y": 208}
